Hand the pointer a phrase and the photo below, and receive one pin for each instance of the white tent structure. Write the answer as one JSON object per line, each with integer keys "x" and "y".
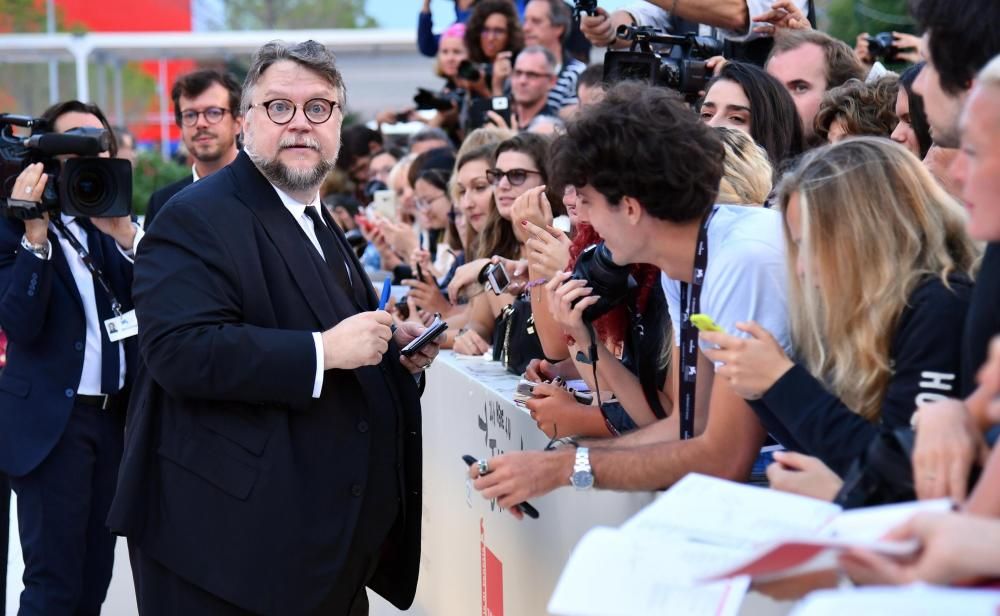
{"x": 116, "y": 48}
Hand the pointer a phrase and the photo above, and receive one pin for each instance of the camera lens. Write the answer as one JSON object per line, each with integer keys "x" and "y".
{"x": 89, "y": 189}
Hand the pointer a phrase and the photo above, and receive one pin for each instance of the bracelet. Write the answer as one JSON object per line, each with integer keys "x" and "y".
{"x": 535, "y": 283}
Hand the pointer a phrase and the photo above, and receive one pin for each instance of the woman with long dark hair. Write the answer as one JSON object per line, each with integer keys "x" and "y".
{"x": 745, "y": 97}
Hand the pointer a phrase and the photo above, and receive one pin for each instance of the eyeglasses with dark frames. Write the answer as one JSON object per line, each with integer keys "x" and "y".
{"x": 213, "y": 115}
{"x": 516, "y": 177}
{"x": 281, "y": 110}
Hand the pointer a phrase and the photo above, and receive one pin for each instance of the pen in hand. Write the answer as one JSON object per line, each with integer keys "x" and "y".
{"x": 525, "y": 507}
{"x": 386, "y": 292}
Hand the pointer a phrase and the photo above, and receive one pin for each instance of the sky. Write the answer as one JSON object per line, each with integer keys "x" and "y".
{"x": 390, "y": 13}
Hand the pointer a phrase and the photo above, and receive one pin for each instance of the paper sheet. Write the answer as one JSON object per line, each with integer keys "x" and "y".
{"x": 917, "y": 600}
{"x": 728, "y": 513}
{"x": 612, "y": 572}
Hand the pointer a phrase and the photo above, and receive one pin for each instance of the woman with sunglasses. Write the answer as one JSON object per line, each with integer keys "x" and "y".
{"x": 519, "y": 164}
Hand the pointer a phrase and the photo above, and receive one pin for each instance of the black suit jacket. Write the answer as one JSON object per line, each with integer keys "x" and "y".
{"x": 159, "y": 198}
{"x": 234, "y": 477}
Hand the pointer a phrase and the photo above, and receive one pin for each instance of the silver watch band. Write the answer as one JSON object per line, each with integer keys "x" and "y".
{"x": 39, "y": 250}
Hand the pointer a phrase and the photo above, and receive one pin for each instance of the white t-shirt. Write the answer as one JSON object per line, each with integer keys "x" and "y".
{"x": 746, "y": 279}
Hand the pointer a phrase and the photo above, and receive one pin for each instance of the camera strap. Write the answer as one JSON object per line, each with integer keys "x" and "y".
{"x": 88, "y": 260}
{"x": 691, "y": 304}
{"x": 645, "y": 366}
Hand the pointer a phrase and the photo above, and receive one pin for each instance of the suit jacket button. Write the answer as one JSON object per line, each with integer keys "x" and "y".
{"x": 78, "y": 346}
{"x": 31, "y": 293}
{"x": 356, "y": 490}
{"x": 362, "y": 426}
{"x": 69, "y": 393}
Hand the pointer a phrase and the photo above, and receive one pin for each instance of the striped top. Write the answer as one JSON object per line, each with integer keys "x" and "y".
{"x": 564, "y": 92}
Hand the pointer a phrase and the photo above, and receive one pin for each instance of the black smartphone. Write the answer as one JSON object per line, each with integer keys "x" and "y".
{"x": 436, "y": 329}
{"x": 525, "y": 507}
{"x": 420, "y": 273}
{"x": 479, "y": 106}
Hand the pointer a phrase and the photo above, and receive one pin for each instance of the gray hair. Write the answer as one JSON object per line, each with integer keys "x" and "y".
{"x": 561, "y": 17}
{"x": 550, "y": 58}
{"x": 428, "y": 133}
{"x": 309, "y": 54}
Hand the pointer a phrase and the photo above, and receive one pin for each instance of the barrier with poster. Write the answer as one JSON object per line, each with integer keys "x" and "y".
{"x": 478, "y": 559}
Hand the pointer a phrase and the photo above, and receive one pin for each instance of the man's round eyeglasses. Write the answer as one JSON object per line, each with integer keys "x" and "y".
{"x": 282, "y": 110}
{"x": 213, "y": 115}
{"x": 516, "y": 177}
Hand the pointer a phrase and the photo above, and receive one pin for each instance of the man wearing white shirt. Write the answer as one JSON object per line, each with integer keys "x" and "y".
{"x": 65, "y": 388}
{"x": 272, "y": 463}
{"x": 207, "y": 111}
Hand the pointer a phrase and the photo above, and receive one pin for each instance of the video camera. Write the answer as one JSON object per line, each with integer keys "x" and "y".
{"x": 682, "y": 68}
{"x": 86, "y": 186}
{"x": 882, "y": 46}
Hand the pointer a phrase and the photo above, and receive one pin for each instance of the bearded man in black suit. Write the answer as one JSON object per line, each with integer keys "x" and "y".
{"x": 273, "y": 454}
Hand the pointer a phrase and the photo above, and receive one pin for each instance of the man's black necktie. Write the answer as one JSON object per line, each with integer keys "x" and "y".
{"x": 110, "y": 358}
{"x": 331, "y": 251}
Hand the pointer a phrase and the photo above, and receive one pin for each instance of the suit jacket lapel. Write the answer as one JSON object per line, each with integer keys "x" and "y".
{"x": 61, "y": 265}
{"x": 258, "y": 195}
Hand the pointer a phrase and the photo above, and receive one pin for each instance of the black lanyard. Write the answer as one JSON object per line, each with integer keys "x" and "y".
{"x": 690, "y": 304}
{"x": 89, "y": 262}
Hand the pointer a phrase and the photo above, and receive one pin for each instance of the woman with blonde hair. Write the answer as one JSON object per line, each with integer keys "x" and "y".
{"x": 746, "y": 175}
{"x": 879, "y": 271}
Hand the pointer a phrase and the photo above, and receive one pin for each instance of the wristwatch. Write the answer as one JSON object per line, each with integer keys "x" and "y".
{"x": 582, "y": 478}
{"x": 39, "y": 250}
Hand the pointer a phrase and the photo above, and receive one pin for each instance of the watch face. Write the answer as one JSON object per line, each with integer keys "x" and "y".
{"x": 582, "y": 480}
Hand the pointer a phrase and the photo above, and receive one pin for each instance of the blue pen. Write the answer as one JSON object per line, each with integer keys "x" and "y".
{"x": 386, "y": 291}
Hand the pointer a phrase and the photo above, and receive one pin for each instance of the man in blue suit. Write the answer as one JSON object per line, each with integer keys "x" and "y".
{"x": 63, "y": 391}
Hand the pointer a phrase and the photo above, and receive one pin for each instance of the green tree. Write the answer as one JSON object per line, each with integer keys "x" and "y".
{"x": 296, "y": 14}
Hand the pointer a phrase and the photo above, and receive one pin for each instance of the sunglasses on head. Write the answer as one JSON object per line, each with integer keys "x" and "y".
{"x": 516, "y": 177}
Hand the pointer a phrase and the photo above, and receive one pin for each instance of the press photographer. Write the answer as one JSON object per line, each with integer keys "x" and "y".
{"x": 66, "y": 242}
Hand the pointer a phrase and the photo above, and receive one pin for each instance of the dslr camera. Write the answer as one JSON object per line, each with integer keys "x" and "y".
{"x": 85, "y": 186}
{"x": 882, "y": 46}
{"x": 584, "y": 6}
{"x": 470, "y": 71}
{"x": 611, "y": 282}
{"x": 426, "y": 99}
{"x": 681, "y": 68}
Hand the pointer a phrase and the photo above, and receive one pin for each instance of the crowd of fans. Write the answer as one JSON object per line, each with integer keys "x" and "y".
{"x": 810, "y": 202}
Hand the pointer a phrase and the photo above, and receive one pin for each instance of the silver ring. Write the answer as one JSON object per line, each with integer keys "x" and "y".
{"x": 484, "y": 467}
{"x": 427, "y": 365}
{"x": 28, "y": 189}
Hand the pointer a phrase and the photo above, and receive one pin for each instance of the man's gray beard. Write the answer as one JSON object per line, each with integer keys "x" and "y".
{"x": 290, "y": 180}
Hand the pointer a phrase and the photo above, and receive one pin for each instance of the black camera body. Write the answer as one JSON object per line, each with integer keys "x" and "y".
{"x": 584, "y": 6}
{"x": 682, "y": 68}
{"x": 882, "y": 46}
{"x": 85, "y": 186}
{"x": 470, "y": 71}
{"x": 426, "y": 99}
{"x": 611, "y": 282}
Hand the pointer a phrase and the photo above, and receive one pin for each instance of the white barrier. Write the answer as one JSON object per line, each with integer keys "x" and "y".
{"x": 476, "y": 558}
